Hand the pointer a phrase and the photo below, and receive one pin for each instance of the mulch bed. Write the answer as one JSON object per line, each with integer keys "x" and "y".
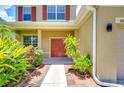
{"x": 36, "y": 77}
{"x": 76, "y": 80}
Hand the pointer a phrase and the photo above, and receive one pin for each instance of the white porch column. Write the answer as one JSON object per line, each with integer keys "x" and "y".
{"x": 39, "y": 34}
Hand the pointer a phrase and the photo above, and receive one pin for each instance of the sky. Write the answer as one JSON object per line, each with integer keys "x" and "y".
{"x": 7, "y": 12}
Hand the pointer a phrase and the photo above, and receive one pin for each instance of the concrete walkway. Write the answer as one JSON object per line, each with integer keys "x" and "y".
{"x": 55, "y": 77}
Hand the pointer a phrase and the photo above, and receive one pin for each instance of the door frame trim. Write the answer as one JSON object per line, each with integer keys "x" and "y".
{"x": 50, "y": 43}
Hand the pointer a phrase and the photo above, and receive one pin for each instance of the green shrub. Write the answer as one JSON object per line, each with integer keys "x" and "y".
{"x": 6, "y": 30}
{"x": 38, "y": 60}
{"x": 83, "y": 63}
{"x": 31, "y": 54}
{"x": 71, "y": 46}
{"x": 13, "y": 63}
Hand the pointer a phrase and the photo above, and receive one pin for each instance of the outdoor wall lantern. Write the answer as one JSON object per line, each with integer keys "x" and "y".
{"x": 109, "y": 27}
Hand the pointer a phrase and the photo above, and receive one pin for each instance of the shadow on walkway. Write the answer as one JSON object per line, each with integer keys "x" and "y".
{"x": 58, "y": 61}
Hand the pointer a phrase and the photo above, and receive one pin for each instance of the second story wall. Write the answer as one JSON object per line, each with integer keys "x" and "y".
{"x": 40, "y": 13}
{"x": 73, "y": 12}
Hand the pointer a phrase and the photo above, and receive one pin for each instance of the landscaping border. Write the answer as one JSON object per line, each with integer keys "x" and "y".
{"x": 76, "y": 81}
{"x": 37, "y": 76}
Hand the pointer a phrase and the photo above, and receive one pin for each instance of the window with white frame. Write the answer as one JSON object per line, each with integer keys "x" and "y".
{"x": 30, "y": 40}
{"x": 56, "y": 12}
{"x": 27, "y": 13}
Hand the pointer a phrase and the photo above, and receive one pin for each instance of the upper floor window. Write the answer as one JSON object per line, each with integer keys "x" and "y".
{"x": 27, "y": 14}
{"x": 56, "y": 12}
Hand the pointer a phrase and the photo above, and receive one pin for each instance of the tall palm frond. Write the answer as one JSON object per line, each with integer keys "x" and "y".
{"x": 6, "y": 30}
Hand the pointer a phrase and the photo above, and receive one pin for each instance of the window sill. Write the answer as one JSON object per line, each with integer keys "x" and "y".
{"x": 27, "y": 21}
{"x": 56, "y": 20}
{"x": 46, "y": 21}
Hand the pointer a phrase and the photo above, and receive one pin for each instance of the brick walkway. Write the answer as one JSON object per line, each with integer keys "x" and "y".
{"x": 75, "y": 81}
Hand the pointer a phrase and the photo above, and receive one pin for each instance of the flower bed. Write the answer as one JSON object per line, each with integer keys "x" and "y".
{"x": 36, "y": 77}
{"x": 74, "y": 79}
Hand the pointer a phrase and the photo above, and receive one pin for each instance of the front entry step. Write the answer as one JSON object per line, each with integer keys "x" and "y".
{"x": 58, "y": 61}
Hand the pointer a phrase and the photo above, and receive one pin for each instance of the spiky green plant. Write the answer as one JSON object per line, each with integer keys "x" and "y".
{"x": 6, "y": 30}
{"x": 13, "y": 63}
{"x": 38, "y": 60}
{"x": 83, "y": 63}
{"x": 71, "y": 46}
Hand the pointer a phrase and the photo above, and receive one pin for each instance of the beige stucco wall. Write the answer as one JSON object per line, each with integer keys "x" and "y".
{"x": 107, "y": 48}
{"x": 107, "y": 54}
{"x": 16, "y": 14}
{"x": 84, "y": 34}
{"x": 46, "y": 35}
{"x": 73, "y": 12}
{"x": 38, "y": 13}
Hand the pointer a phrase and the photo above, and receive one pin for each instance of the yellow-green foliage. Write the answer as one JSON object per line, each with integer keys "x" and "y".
{"x": 71, "y": 45}
{"x": 13, "y": 63}
{"x": 6, "y": 30}
{"x": 82, "y": 63}
{"x": 38, "y": 60}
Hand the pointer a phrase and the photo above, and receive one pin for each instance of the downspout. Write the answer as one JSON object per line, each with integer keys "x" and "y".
{"x": 101, "y": 83}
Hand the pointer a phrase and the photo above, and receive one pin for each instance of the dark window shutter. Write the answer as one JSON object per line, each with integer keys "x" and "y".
{"x": 44, "y": 12}
{"x": 33, "y": 15}
{"x": 20, "y": 13}
{"x": 67, "y": 12}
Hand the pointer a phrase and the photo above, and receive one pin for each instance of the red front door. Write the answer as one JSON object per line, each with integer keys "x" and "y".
{"x": 57, "y": 48}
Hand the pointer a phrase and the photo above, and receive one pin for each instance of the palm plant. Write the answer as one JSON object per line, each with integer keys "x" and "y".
{"x": 13, "y": 63}
{"x": 6, "y": 30}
